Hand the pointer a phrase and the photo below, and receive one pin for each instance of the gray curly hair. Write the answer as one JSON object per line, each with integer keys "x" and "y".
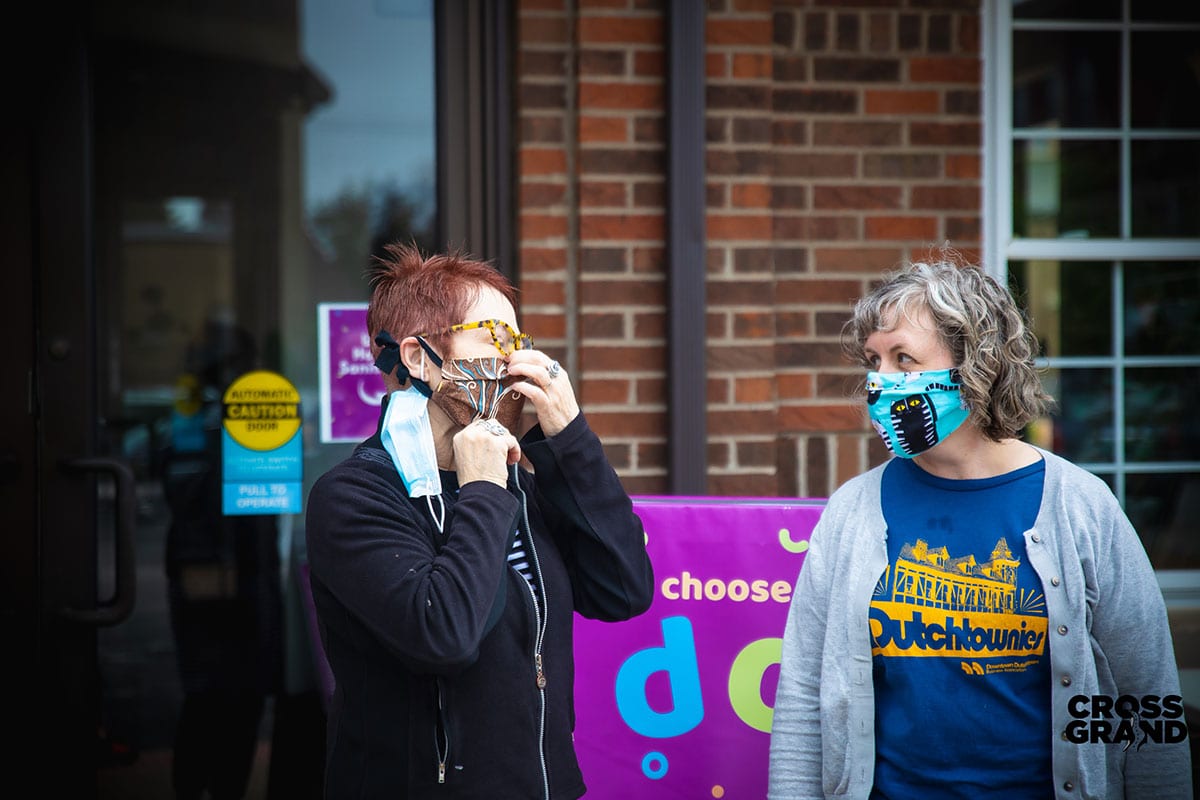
{"x": 981, "y": 325}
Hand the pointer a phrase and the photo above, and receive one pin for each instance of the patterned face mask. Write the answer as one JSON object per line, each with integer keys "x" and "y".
{"x": 468, "y": 388}
{"x": 913, "y": 411}
{"x": 474, "y": 388}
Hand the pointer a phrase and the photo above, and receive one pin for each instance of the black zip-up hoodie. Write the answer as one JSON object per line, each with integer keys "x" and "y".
{"x": 433, "y": 637}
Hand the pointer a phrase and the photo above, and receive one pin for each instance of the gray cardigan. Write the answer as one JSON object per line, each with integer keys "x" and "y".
{"x": 1107, "y": 620}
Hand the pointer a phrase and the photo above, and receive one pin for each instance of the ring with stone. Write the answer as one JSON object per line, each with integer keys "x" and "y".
{"x": 493, "y": 427}
{"x": 553, "y": 369}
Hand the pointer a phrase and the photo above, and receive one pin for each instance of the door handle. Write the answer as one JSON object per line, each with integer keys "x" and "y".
{"x": 119, "y": 607}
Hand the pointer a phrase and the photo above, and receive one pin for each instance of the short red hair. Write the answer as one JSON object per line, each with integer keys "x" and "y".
{"x": 412, "y": 294}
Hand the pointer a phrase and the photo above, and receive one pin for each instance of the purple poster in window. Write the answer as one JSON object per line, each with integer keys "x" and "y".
{"x": 351, "y": 386}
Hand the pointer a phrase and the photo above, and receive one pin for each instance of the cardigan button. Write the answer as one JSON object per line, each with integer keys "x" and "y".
{"x": 1066, "y": 680}
{"x": 1068, "y": 786}
{"x": 1054, "y": 581}
{"x": 1036, "y": 538}
{"x": 1062, "y": 629}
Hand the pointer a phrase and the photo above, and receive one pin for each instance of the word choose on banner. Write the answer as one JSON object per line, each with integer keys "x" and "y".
{"x": 677, "y": 703}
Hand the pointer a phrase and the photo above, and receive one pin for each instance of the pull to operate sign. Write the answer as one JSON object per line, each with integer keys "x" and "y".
{"x": 261, "y": 445}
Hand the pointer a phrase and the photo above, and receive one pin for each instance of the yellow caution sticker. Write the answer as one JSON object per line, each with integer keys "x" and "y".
{"x": 262, "y": 410}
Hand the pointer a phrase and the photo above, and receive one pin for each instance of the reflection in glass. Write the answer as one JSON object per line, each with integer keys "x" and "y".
{"x": 1067, "y": 9}
{"x": 1164, "y": 509}
{"x": 1160, "y": 414}
{"x": 1066, "y": 188}
{"x": 1066, "y": 79}
{"x": 369, "y": 155}
{"x": 1166, "y": 188}
{"x": 1081, "y": 426}
{"x": 1165, "y": 82}
{"x": 1069, "y": 305}
{"x": 1162, "y": 308}
{"x": 1164, "y": 11}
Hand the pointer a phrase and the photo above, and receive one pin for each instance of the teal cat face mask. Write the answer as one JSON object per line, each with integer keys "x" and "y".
{"x": 913, "y": 411}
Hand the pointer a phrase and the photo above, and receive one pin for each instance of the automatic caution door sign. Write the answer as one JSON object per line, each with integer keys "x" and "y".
{"x": 261, "y": 445}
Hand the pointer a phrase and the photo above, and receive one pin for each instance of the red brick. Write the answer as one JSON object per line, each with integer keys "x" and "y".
{"x": 620, "y": 30}
{"x": 542, "y": 226}
{"x": 944, "y": 70}
{"x": 753, "y": 390}
{"x": 753, "y": 325}
{"x": 793, "y": 323}
{"x": 738, "y": 227}
{"x": 538, "y": 30}
{"x": 541, "y": 195}
{"x": 750, "y": 195}
{"x": 603, "y": 129}
{"x": 545, "y": 326}
{"x": 618, "y": 358}
{"x": 856, "y": 197}
{"x": 541, "y": 259}
{"x": 621, "y": 95}
{"x": 951, "y": 198}
{"x": 794, "y": 385}
{"x": 959, "y": 165}
{"x": 545, "y": 293}
{"x": 896, "y": 101}
{"x": 858, "y": 259}
{"x": 823, "y": 418}
{"x": 810, "y": 228}
{"x": 649, "y": 326}
{"x": 964, "y": 134}
{"x": 742, "y": 485}
{"x": 716, "y": 65}
{"x": 922, "y": 229}
{"x": 736, "y": 422}
{"x": 622, "y": 226}
{"x": 751, "y": 65}
{"x": 605, "y": 391}
{"x": 543, "y": 161}
{"x": 650, "y": 391}
{"x": 739, "y": 31}
{"x": 821, "y": 291}
{"x": 648, "y": 64}
{"x": 611, "y": 291}
{"x": 602, "y": 193}
{"x": 602, "y": 326}
{"x": 627, "y": 423}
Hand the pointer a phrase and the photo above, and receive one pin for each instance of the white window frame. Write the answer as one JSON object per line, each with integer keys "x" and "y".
{"x": 1181, "y": 587}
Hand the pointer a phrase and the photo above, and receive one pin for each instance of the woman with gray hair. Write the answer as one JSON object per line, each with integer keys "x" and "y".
{"x": 970, "y": 611}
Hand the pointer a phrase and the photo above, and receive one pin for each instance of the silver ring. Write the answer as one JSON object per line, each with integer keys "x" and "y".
{"x": 553, "y": 369}
{"x": 493, "y": 427}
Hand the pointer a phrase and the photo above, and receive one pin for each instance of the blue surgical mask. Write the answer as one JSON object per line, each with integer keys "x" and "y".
{"x": 913, "y": 411}
{"x": 408, "y": 438}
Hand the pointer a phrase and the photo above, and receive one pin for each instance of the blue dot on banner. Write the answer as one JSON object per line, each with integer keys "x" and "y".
{"x": 654, "y": 773}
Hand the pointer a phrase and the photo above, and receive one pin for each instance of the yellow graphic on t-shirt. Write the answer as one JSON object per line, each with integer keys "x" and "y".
{"x": 934, "y": 605}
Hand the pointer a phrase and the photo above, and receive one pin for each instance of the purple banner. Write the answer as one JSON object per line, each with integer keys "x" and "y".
{"x": 351, "y": 386}
{"x": 677, "y": 703}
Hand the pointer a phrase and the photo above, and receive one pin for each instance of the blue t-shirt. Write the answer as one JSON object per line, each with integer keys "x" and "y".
{"x": 958, "y": 632}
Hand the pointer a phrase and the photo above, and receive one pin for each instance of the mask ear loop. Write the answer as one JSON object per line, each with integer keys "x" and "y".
{"x": 439, "y": 519}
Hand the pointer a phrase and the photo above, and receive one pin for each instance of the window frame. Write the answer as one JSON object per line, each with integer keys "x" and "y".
{"x": 1000, "y": 246}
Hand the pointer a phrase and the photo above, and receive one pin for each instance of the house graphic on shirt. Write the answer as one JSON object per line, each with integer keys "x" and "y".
{"x": 928, "y": 577}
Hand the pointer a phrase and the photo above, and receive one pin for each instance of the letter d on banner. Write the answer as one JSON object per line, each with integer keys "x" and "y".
{"x": 677, "y": 658}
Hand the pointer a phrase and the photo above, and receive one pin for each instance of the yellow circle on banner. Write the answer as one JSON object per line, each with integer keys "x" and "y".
{"x": 262, "y": 410}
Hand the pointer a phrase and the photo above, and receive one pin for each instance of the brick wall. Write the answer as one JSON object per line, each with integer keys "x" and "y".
{"x": 842, "y": 139}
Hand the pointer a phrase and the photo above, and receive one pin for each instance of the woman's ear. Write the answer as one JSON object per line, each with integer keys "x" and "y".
{"x": 414, "y": 358}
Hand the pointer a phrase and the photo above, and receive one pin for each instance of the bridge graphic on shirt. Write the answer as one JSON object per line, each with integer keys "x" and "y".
{"x": 929, "y": 603}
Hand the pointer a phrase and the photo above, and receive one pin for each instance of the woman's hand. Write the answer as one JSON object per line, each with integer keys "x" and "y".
{"x": 547, "y": 386}
{"x": 482, "y": 452}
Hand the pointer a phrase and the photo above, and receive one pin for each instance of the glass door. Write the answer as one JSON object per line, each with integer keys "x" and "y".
{"x": 188, "y": 187}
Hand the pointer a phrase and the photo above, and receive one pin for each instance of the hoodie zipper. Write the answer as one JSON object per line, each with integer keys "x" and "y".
{"x": 541, "y": 616}
{"x": 442, "y": 744}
